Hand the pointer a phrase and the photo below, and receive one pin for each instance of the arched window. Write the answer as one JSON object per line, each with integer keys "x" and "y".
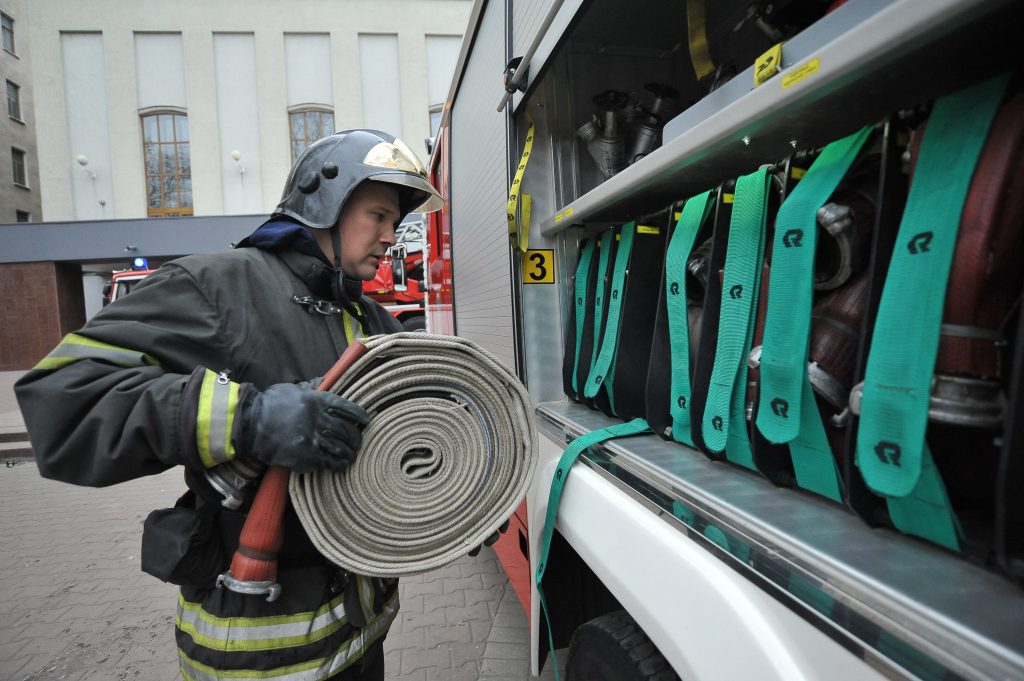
{"x": 165, "y": 146}
{"x": 308, "y": 124}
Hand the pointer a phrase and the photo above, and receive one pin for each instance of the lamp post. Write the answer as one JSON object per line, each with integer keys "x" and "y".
{"x": 83, "y": 161}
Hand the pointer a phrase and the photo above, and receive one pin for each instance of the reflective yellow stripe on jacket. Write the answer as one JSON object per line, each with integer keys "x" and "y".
{"x": 74, "y": 348}
{"x": 280, "y": 631}
{"x": 218, "y": 401}
{"x": 353, "y": 329}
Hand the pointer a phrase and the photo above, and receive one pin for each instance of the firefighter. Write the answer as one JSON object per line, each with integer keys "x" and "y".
{"x": 208, "y": 364}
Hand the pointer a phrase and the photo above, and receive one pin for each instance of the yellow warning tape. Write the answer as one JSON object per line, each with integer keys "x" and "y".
{"x": 700, "y": 54}
{"x": 519, "y": 230}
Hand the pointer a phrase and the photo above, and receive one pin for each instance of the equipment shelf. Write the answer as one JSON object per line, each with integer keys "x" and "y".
{"x": 906, "y": 53}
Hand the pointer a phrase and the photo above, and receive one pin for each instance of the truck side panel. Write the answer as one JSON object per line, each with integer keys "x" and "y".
{"x": 482, "y": 272}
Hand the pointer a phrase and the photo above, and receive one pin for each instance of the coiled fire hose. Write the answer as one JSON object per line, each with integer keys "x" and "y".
{"x": 446, "y": 458}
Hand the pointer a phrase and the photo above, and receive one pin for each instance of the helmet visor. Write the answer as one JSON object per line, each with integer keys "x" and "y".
{"x": 402, "y": 167}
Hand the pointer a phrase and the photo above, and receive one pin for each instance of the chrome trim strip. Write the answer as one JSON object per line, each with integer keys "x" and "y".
{"x": 910, "y": 610}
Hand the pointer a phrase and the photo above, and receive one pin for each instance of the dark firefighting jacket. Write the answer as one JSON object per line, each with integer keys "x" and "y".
{"x": 136, "y": 392}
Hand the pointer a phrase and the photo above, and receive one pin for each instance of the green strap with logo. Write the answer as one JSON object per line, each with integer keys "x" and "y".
{"x": 604, "y": 367}
{"x": 788, "y": 412}
{"x": 604, "y": 246}
{"x": 787, "y": 325}
{"x": 724, "y": 423}
{"x": 582, "y": 280}
{"x": 897, "y": 382}
{"x": 569, "y": 456}
{"x": 926, "y": 511}
{"x": 695, "y": 212}
{"x": 813, "y": 464}
{"x": 892, "y": 454}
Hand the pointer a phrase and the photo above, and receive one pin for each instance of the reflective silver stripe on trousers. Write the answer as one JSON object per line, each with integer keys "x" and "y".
{"x": 349, "y": 652}
{"x": 229, "y": 628}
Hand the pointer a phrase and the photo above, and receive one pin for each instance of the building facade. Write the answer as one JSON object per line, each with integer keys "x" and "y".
{"x": 19, "y": 171}
{"x": 161, "y": 127}
{"x": 154, "y": 109}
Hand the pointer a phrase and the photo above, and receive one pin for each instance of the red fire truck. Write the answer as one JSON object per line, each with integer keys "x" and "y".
{"x": 121, "y": 284}
{"x": 400, "y": 281}
{"x": 665, "y": 555}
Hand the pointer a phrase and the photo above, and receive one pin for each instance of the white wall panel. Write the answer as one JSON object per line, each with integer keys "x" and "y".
{"x": 238, "y": 122}
{"x": 201, "y": 95}
{"x": 88, "y": 133}
{"x": 380, "y": 83}
{"x": 159, "y": 70}
{"x": 442, "y": 55}
{"x": 324, "y": 42}
{"x": 479, "y": 186}
{"x": 308, "y": 68}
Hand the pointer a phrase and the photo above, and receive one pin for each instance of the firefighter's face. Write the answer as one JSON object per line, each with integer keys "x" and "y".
{"x": 367, "y": 228}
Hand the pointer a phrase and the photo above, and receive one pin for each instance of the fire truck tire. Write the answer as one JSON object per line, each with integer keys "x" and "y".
{"x": 417, "y": 323}
{"x": 613, "y": 647}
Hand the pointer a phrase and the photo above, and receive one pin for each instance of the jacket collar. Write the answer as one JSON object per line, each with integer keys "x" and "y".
{"x": 295, "y": 245}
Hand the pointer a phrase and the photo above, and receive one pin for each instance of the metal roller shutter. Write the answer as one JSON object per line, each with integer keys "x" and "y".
{"x": 479, "y": 188}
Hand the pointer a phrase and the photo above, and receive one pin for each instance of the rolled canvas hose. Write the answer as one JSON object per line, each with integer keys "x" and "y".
{"x": 446, "y": 458}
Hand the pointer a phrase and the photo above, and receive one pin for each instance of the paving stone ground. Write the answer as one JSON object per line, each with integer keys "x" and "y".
{"x": 76, "y": 606}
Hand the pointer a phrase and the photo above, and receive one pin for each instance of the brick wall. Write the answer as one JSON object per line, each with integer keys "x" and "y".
{"x": 42, "y": 301}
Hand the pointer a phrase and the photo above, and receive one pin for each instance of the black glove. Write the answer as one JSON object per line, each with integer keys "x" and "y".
{"x": 301, "y": 429}
{"x": 491, "y": 539}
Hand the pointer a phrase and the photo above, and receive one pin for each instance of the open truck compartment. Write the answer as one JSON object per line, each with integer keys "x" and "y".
{"x": 909, "y": 554}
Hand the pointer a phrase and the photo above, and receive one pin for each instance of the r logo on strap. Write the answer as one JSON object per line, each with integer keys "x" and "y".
{"x": 780, "y": 407}
{"x": 736, "y": 292}
{"x": 919, "y": 243}
{"x": 674, "y": 288}
{"x": 792, "y": 238}
{"x": 717, "y": 423}
{"x": 681, "y": 402}
{"x": 888, "y": 452}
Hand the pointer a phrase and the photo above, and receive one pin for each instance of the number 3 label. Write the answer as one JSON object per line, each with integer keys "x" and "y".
{"x": 539, "y": 267}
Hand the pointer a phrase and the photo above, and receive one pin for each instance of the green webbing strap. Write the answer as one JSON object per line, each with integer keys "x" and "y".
{"x": 695, "y": 212}
{"x": 605, "y": 248}
{"x": 609, "y": 344}
{"x": 926, "y": 512}
{"x": 569, "y": 456}
{"x": 582, "y": 280}
{"x": 813, "y": 463}
{"x": 897, "y": 382}
{"x": 787, "y": 326}
{"x": 724, "y": 421}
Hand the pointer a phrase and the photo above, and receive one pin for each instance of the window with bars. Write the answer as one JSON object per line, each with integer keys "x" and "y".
{"x": 18, "y": 167}
{"x": 7, "y": 32}
{"x": 23, "y": 216}
{"x": 307, "y": 126}
{"x": 165, "y": 144}
{"x": 13, "y": 100}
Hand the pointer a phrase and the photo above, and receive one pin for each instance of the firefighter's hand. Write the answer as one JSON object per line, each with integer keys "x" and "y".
{"x": 494, "y": 537}
{"x": 301, "y": 429}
